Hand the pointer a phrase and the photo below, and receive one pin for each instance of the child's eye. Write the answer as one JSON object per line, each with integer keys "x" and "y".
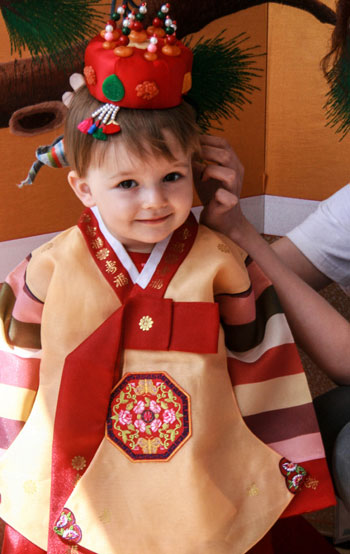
{"x": 129, "y": 184}
{"x": 172, "y": 177}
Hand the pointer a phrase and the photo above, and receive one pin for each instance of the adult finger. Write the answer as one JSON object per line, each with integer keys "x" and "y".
{"x": 225, "y": 177}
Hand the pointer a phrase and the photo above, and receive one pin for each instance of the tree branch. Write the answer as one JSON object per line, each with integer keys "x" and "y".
{"x": 193, "y": 16}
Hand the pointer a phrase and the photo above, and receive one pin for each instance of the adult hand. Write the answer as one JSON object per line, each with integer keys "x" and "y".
{"x": 220, "y": 168}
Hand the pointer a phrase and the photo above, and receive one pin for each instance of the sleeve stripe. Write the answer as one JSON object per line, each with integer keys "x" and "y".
{"x": 249, "y": 335}
{"x": 236, "y": 310}
{"x": 274, "y": 394}
{"x": 27, "y": 310}
{"x": 278, "y": 361}
{"x": 24, "y": 335}
{"x": 259, "y": 281}
{"x": 9, "y": 430}
{"x": 277, "y": 332}
{"x": 19, "y": 372}
{"x": 16, "y": 402}
{"x": 287, "y": 423}
{"x": 301, "y": 449}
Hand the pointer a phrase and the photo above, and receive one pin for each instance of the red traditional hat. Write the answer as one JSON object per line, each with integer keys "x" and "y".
{"x": 133, "y": 67}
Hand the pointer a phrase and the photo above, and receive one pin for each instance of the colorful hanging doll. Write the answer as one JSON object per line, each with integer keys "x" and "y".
{"x": 153, "y": 397}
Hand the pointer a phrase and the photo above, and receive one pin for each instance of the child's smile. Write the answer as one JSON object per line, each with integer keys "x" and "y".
{"x": 141, "y": 201}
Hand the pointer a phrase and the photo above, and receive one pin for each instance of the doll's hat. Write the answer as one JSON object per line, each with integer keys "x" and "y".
{"x": 128, "y": 66}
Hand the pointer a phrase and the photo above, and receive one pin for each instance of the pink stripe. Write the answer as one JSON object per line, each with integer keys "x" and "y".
{"x": 237, "y": 310}
{"x": 25, "y": 309}
{"x": 9, "y": 429}
{"x": 16, "y": 278}
{"x": 300, "y": 449}
{"x": 19, "y": 372}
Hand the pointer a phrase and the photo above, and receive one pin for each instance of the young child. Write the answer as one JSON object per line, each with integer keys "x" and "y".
{"x": 113, "y": 355}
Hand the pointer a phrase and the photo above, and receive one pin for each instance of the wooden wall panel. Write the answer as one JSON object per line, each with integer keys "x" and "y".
{"x": 304, "y": 158}
{"x": 46, "y": 206}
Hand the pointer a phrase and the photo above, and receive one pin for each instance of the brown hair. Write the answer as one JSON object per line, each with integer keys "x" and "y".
{"x": 340, "y": 36}
{"x": 142, "y": 131}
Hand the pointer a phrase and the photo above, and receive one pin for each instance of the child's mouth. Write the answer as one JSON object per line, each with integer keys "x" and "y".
{"x": 155, "y": 220}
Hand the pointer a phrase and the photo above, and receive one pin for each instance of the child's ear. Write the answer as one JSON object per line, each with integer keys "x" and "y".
{"x": 81, "y": 189}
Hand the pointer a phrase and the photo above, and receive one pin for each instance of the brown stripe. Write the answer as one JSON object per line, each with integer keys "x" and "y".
{"x": 240, "y": 338}
{"x": 7, "y": 301}
{"x": 18, "y": 333}
{"x": 225, "y": 295}
{"x": 279, "y": 425}
{"x": 9, "y": 430}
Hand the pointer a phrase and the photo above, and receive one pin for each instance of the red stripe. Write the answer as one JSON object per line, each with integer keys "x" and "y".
{"x": 55, "y": 157}
{"x": 279, "y": 361}
{"x": 309, "y": 499}
{"x": 19, "y": 372}
{"x": 237, "y": 310}
{"x": 284, "y": 424}
{"x": 9, "y": 429}
{"x": 259, "y": 280}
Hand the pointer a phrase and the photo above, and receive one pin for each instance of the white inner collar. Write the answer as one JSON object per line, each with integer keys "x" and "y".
{"x": 142, "y": 279}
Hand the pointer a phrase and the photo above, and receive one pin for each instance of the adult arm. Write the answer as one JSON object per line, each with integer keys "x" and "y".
{"x": 318, "y": 249}
{"x": 319, "y": 329}
{"x": 299, "y": 263}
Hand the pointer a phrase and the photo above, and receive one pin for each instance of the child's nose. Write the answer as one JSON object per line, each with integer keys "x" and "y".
{"x": 154, "y": 197}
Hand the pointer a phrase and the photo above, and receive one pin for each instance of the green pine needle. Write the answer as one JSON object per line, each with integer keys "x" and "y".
{"x": 337, "y": 105}
{"x": 221, "y": 77}
{"x": 51, "y": 29}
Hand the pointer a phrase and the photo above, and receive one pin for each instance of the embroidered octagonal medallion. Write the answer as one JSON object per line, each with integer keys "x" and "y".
{"x": 148, "y": 417}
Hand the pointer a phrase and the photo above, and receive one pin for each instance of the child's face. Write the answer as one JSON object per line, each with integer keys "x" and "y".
{"x": 140, "y": 201}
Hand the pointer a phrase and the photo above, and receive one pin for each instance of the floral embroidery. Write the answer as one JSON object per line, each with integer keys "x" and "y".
{"x": 178, "y": 247}
{"x": 295, "y": 474}
{"x": 102, "y": 254}
{"x": 311, "y": 483}
{"x": 47, "y": 246}
{"x": 86, "y": 218}
{"x": 97, "y": 243}
{"x": 171, "y": 258}
{"x": 111, "y": 266}
{"x": 120, "y": 280}
{"x": 105, "y": 517}
{"x": 146, "y": 323}
{"x": 148, "y": 417}
{"x": 223, "y": 248}
{"x": 186, "y": 233}
{"x": 30, "y": 487}
{"x": 91, "y": 231}
{"x": 67, "y": 528}
{"x": 253, "y": 490}
{"x": 157, "y": 284}
{"x": 78, "y": 463}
